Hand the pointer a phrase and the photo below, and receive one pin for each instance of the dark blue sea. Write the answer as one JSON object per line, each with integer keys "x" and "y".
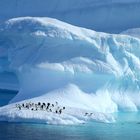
{"x": 127, "y": 128}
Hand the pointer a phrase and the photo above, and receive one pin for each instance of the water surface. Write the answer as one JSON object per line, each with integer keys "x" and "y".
{"x": 90, "y": 131}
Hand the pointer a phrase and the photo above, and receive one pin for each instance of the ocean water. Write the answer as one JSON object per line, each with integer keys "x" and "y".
{"x": 90, "y": 131}
{"x": 127, "y": 127}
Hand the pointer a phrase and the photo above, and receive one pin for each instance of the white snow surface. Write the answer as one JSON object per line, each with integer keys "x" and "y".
{"x": 81, "y": 69}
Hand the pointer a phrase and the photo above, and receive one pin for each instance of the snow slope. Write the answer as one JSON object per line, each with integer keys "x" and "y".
{"x": 101, "y": 15}
{"x": 79, "y": 68}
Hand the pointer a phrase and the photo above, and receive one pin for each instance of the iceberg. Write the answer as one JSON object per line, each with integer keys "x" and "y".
{"x": 135, "y": 32}
{"x": 82, "y": 69}
{"x": 99, "y": 15}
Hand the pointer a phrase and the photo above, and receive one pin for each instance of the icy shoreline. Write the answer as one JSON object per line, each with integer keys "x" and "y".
{"x": 72, "y": 116}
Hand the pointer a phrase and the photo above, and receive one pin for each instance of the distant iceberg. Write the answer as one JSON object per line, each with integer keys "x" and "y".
{"x": 78, "y": 67}
{"x": 112, "y": 16}
{"x": 135, "y": 32}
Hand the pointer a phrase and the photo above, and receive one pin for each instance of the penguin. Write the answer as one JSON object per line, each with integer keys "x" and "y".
{"x": 41, "y": 107}
{"x": 39, "y": 103}
{"x": 23, "y": 105}
{"x": 56, "y": 103}
{"x": 48, "y": 104}
{"x": 64, "y": 108}
{"x": 86, "y": 114}
{"x": 19, "y": 107}
{"x": 60, "y": 111}
{"x": 27, "y": 106}
{"x": 44, "y": 104}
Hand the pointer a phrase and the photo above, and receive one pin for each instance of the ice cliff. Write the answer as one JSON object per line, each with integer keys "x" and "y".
{"x": 79, "y": 68}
